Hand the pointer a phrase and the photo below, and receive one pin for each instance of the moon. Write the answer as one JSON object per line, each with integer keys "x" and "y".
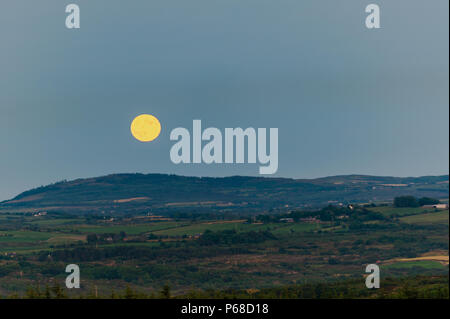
{"x": 145, "y": 127}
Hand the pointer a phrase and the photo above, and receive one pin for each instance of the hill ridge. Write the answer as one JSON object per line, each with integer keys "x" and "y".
{"x": 251, "y": 193}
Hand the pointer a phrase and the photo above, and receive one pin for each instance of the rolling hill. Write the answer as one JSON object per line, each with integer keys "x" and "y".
{"x": 140, "y": 193}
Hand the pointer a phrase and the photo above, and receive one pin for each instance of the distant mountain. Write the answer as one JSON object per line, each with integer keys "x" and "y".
{"x": 140, "y": 193}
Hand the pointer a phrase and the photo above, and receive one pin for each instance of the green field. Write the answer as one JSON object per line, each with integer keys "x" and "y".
{"x": 276, "y": 228}
{"x": 144, "y": 254}
{"x": 400, "y": 211}
{"x": 427, "y": 264}
{"x": 294, "y": 228}
{"x": 68, "y": 231}
{"x": 24, "y": 241}
{"x": 199, "y": 228}
{"x": 132, "y": 229}
{"x": 23, "y": 236}
{"x": 428, "y": 218}
{"x": 53, "y": 222}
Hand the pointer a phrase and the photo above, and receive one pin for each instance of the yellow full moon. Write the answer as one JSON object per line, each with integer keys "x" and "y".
{"x": 145, "y": 128}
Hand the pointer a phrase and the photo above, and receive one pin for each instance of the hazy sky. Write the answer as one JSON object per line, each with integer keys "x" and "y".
{"x": 345, "y": 99}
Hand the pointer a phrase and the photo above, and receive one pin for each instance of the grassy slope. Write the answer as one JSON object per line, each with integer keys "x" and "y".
{"x": 400, "y": 211}
{"x": 244, "y": 193}
{"x": 427, "y": 218}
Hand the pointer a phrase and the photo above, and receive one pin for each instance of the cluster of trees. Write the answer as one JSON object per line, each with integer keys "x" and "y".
{"x": 80, "y": 254}
{"x": 105, "y": 238}
{"x": 204, "y": 214}
{"x": 57, "y": 292}
{"x": 231, "y": 237}
{"x": 329, "y": 213}
{"x": 411, "y": 201}
{"x": 417, "y": 287}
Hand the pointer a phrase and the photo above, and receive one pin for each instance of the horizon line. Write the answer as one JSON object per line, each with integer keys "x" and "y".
{"x": 227, "y": 176}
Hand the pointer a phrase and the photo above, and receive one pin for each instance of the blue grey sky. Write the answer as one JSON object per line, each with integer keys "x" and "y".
{"x": 345, "y": 99}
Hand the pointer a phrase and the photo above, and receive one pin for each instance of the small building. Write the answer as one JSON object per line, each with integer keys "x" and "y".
{"x": 309, "y": 220}
{"x": 436, "y": 206}
{"x": 286, "y": 220}
{"x": 40, "y": 214}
